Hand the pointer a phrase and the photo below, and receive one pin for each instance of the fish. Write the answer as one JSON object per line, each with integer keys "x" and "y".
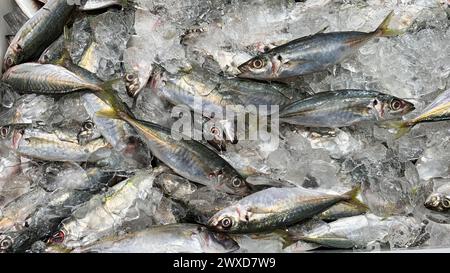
{"x": 440, "y": 199}
{"x": 130, "y": 201}
{"x": 360, "y": 231}
{"x": 219, "y": 94}
{"x": 342, "y": 108}
{"x": 38, "y": 33}
{"x": 46, "y": 79}
{"x": 37, "y": 143}
{"x": 438, "y": 110}
{"x": 310, "y": 53}
{"x": 174, "y": 238}
{"x": 186, "y": 157}
{"x": 42, "y": 222}
{"x": 275, "y": 208}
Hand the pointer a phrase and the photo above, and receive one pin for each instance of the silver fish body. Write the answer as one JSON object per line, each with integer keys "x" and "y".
{"x": 190, "y": 159}
{"x": 54, "y": 146}
{"x": 359, "y": 231}
{"x": 217, "y": 92}
{"x": 309, "y": 54}
{"x": 274, "y": 208}
{"x": 343, "y": 108}
{"x": 176, "y": 238}
{"x": 45, "y": 79}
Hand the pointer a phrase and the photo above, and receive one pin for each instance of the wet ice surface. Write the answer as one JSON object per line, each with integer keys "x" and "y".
{"x": 396, "y": 175}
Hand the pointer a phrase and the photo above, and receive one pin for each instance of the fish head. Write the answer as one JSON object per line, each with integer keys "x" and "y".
{"x": 88, "y": 132}
{"x": 11, "y": 135}
{"x": 437, "y": 202}
{"x": 260, "y": 67}
{"x": 231, "y": 182}
{"x": 12, "y": 56}
{"x": 226, "y": 220}
{"x": 216, "y": 241}
{"x": 388, "y": 107}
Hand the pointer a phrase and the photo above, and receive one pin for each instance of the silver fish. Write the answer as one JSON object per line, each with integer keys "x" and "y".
{"x": 175, "y": 238}
{"x": 310, "y": 54}
{"x": 275, "y": 208}
{"x": 343, "y": 108}
{"x": 46, "y": 79}
{"x": 359, "y": 231}
{"x": 58, "y": 146}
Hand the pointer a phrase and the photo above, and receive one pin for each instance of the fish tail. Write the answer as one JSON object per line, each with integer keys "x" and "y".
{"x": 108, "y": 85}
{"x": 383, "y": 29}
{"x": 109, "y": 112}
{"x": 352, "y": 195}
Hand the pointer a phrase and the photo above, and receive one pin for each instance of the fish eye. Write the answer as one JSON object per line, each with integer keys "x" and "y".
{"x": 9, "y": 61}
{"x": 237, "y": 182}
{"x": 88, "y": 125}
{"x": 4, "y": 131}
{"x": 258, "y": 63}
{"x": 6, "y": 243}
{"x": 396, "y": 104}
{"x": 58, "y": 237}
{"x": 226, "y": 222}
{"x": 446, "y": 203}
{"x": 375, "y": 102}
{"x": 215, "y": 131}
{"x": 130, "y": 77}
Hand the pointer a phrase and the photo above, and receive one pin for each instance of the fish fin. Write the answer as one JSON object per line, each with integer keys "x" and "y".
{"x": 65, "y": 56}
{"x": 402, "y": 127}
{"x": 358, "y": 203}
{"x": 287, "y": 238}
{"x": 108, "y": 85}
{"x": 351, "y": 195}
{"x": 303, "y": 244}
{"x": 107, "y": 113}
{"x": 402, "y": 131}
{"x": 383, "y": 29}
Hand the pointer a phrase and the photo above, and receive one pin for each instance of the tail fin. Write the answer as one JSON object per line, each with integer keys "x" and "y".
{"x": 108, "y": 95}
{"x": 108, "y": 85}
{"x": 383, "y": 29}
{"x": 351, "y": 195}
{"x": 108, "y": 113}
